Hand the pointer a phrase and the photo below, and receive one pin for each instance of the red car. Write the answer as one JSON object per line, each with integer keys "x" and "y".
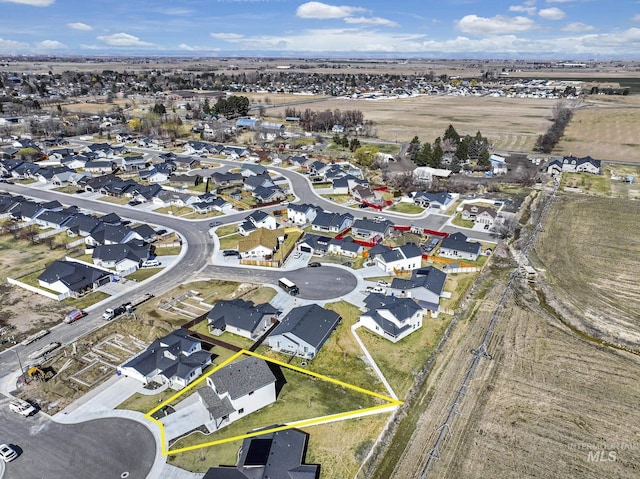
{"x": 74, "y": 315}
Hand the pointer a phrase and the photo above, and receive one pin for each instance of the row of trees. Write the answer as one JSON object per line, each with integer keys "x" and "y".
{"x": 562, "y": 113}
{"x": 232, "y": 107}
{"x": 451, "y": 150}
{"x": 324, "y": 121}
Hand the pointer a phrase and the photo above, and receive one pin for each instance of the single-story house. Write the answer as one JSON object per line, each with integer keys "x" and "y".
{"x": 400, "y": 258}
{"x": 73, "y": 278}
{"x": 304, "y": 330}
{"x": 331, "y": 222}
{"x": 480, "y": 215}
{"x": 371, "y": 230}
{"x": 438, "y": 201}
{"x": 241, "y": 317}
{"x": 458, "y": 246}
{"x": 260, "y": 244}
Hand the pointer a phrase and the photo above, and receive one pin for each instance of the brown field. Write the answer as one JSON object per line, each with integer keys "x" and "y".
{"x": 510, "y": 123}
{"x": 604, "y": 133}
{"x": 594, "y": 268}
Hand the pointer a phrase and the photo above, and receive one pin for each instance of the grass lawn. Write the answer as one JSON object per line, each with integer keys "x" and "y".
{"x": 244, "y": 343}
{"x": 588, "y": 183}
{"x": 142, "y": 273}
{"x": 322, "y": 185}
{"x": 175, "y": 210}
{"x": 260, "y": 294}
{"x": 143, "y": 402}
{"x": 408, "y": 208}
{"x": 66, "y": 189}
{"x": 168, "y": 250}
{"x": 458, "y": 221}
{"x": 230, "y": 242}
{"x": 226, "y": 230}
{"x": 457, "y": 284}
{"x": 116, "y": 200}
{"x": 340, "y": 199}
{"x": 400, "y": 362}
{"x": 85, "y": 301}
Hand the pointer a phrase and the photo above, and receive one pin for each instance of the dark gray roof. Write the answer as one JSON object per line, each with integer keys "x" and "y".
{"x": 330, "y": 220}
{"x": 243, "y": 377}
{"x": 278, "y": 455}
{"x": 458, "y": 242}
{"x": 239, "y": 313}
{"x": 120, "y": 252}
{"x": 266, "y": 193}
{"x": 82, "y": 223}
{"x": 429, "y": 278}
{"x": 302, "y": 207}
{"x": 216, "y": 406}
{"x": 370, "y": 225}
{"x": 442, "y": 198}
{"x": 257, "y": 215}
{"x": 410, "y": 250}
{"x": 311, "y": 323}
{"x": 75, "y": 276}
{"x": 401, "y": 308}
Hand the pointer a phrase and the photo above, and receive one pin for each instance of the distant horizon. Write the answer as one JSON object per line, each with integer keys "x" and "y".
{"x": 500, "y": 29}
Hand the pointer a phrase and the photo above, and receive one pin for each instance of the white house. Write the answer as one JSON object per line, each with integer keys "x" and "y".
{"x": 391, "y": 317}
{"x": 401, "y": 258}
{"x": 498, "y": 165}
{"x": 480, "y": 215}
{"x": 176, "y": 359}
{"x": 237, "y": 390}
{"x": 457, "y": 246}
{"x": 301, "y": 214}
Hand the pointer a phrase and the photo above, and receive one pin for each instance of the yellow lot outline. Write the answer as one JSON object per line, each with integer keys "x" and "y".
{"x": 302, "y": 423}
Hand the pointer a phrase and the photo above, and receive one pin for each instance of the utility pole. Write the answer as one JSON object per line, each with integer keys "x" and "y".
{"x": 20, "y": 363}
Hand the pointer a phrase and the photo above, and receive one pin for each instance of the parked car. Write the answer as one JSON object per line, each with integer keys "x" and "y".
{"x": 7, "y": 453}
{"x": 214, "y": 224}
{"x": 362, "y": 205}
{"x": 231, "y": 252}
{"x": 382, "y": 282}
{"x": 150, "y": 263}
{"x": 22, "y": 407}
{"x": 74, "y": 315}
{"x": 134, "y": 203}
{"x": 376, "y": 289}
{"x": 314, "y": 264}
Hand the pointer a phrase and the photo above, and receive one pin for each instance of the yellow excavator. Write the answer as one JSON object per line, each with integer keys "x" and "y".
{"x": 34, "y": 372}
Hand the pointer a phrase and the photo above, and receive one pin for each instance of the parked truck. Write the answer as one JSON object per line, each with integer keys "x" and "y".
{"x": 289, "y": 286}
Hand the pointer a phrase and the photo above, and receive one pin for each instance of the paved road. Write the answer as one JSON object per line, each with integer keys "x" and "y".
{"x": 101, "y": 448}
{"x": 322, "y": 283}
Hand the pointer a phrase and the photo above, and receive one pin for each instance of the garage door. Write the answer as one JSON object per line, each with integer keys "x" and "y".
{"x": 305, "y": 249}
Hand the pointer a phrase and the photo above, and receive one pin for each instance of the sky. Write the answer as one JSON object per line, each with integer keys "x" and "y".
{"x": 561, "y": 29}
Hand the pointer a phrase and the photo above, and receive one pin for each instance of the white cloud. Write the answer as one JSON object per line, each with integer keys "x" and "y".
{"x": 499, "y": 24}
{"x": 371, "y": 21}
{"x": 560, "y": 1}
{"x": 226, "y": 36}
{"x": 577, "y": 27}
{"x": 80, "y": 26}
{"x": 529, "y": 10}
{"x": 33, "y": 3}
{"x": 50, "y": 45}
{"x": 321, "y": 10}
{"x": 636, "y": 18}
{"x": 12, "y": 45}
{"x": 196, "y": 48}
{"x": 552, "y": 13}
{"x": 123, "y": 40}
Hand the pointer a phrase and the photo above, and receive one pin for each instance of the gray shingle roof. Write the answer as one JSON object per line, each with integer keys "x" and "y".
{"x": 311, "y": 323}
{"x": 239, "y": 313}
{"x": 243, "y": 377}
{"x": 458, "y": 242}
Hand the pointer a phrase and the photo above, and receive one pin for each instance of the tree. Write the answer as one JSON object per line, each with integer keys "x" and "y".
{"x": 159, "y": 109}
{"x": 365, "y": 155}
{"x": 355, "y": 144}
{"x": 135, "y": 124}
{"x": 462, "y": 151}
{"x": 423, "y": 156}
{"x": 436, "y": 154}
{"x": 451, "y": 134}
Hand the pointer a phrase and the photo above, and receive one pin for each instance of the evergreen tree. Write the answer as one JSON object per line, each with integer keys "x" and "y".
{"x": 451, "y": 134}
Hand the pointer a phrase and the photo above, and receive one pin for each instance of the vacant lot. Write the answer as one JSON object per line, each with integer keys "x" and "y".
{"x": 591, "y": 254}
{"x": 603, "y": 133}
{"x": 510, "y": 123}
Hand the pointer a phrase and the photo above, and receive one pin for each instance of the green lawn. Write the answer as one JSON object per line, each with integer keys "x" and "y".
{"x": 458, "y": 221}
{"x": 143, "y": 273}
{"x": 230, "y": 242}
{"x": 340, "y": 199}
{"x": 588, "y": 183}
{"x": 408, "y": 208}
{"x": 85, "y": 301}
{"x": 168, "y": 250}
{"x": 226, "y": 230}
{"x": 116, "y": 200}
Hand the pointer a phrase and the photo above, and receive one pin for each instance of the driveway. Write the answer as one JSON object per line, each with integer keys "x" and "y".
{"x": 190, "y": 413}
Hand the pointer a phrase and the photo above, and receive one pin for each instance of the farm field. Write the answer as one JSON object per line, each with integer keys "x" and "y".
{"x": 603, "y": 133}
{"x": 593, "y": 269}
{"x": 428, "y": 117}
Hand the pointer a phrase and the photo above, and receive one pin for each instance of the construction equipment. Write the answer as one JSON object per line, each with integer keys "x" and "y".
{"x": 41, "y": 374}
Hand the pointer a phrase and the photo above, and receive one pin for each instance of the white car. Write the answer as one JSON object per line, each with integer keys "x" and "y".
{"x": 22, "y": 407}
{"x": 376, "y": 289}
{"x": 7, "y": 453}
{"x": 384, "y": 283}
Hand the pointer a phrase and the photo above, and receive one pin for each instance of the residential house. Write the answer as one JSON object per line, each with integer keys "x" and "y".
{"x": 572, "y": 164}
{"x": 370, "y": 230}
{"x": 82, "y": 224}
{"x": 425, "y": 174}
{"x": 247, "y": 170}
{"x": 98, "y": 167}
{"x": 57, "y": 218}
{"x": 314, "y": 244}
{"x": 345, "y": 247}
{"x": 197, "y": 148}
{"x": 498, "y": 165}
{"x": 480, "y": 215}
{"x": 95, "y": 183}
{"x": 391, "y": 317}
{"x": 176, "y": 359}
{"x": 147, "y": 193}
{"x": 331, "y": 222}
{"x": 227, "y": 179}
{"x": 73, "y": 278}
{"x": 153, "y": 175}
{"x": 241, "y": 317}
{"x": 260, "y": 244}
{"x": 69, "y": 177}
{"x": 458, "y": 246}
{"x": 174, "y": 198}
{"x": 400, "y": 258}
{"x": 74, "y": 162}
{"x": 304, "y": 330}
{"x": 302, "y": 213}
{"x": 121, "y": 257}
{"x": 185, "y": 181}
{"x": 107, "y": 233}
{"x": 119, "y": 188}
{"x": 426, "y": 286}
{"x": 257, "y": 219}
{"x": 269, "y": 456}
{"x": 236, "y": 390}
{"x": 258, "y": 181}
{"x": 364, "y": 194}
{"x": 186, "y": 162}
{"x": 132, "y": 163}
{"x": 437, "y": 201}
{"x": 268, "y": 195}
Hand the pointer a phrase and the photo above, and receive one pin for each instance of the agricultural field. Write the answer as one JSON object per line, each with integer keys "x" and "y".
{"x": 605, "y": 132}
{"x": 593, "y": 268}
